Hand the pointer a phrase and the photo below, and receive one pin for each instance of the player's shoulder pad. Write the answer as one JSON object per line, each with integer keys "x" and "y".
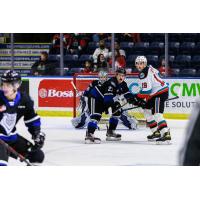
{"x": 143, "y": 74}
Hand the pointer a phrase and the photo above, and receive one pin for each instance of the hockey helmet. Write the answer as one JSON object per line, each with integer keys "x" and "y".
{"x": 141, "y": 59}
{"x": 10, "y": 76}
{"x": 121, "y": 71}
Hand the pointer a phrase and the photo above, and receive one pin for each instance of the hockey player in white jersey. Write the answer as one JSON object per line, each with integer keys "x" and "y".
{"x": 155, "y": 91}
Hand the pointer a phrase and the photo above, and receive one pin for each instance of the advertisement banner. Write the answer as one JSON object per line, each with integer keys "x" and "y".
{"x": 25, "y": 46}
{"x": 23, "y": 52}
{"x": 22, "y": 64}
{"x": 20, "y": 58}
{"x": 58, "y": 93}
{"x": 188, "y": 91}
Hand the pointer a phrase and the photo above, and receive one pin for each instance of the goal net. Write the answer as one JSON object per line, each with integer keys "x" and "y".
{"x": 81, "y": 82}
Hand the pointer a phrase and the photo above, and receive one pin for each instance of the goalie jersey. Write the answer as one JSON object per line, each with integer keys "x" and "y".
{"x": 12, "y": 111}
{"x": 151, "y": 83}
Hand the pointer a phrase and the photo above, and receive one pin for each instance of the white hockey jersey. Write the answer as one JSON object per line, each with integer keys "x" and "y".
{"x": 151, "y": 83}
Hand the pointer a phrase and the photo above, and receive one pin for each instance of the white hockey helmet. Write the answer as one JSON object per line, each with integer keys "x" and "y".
{"x": 141, "y": 59}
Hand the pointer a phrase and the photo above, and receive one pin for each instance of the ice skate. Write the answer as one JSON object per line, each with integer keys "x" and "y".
{"x": 165, "y": 139}
{"x": 112, "y": 136}
{"x": 90, "y": 139}
{"x": 154, "y": 136}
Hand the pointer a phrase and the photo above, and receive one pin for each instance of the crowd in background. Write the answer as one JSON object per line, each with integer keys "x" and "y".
{"x": 77, "y": 44}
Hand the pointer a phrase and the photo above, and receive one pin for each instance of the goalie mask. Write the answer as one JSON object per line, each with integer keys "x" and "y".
{"x": 103, "y": 76}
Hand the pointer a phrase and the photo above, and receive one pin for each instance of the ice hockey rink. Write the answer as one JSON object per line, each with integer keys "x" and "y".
{"x": 64, "y": 146}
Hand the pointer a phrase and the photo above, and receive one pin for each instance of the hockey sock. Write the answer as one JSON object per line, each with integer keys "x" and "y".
{"x": 113, "y": 122}
{"x": 162, "y": 124}
{"x": 92, "y": 126}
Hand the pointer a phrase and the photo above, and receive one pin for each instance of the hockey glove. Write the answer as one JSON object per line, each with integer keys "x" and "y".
{"x": 133, "y": 100}
{"x": 39, "y": 140}
{"x": 141, "y": 103}
{"x": 117, "y": 109}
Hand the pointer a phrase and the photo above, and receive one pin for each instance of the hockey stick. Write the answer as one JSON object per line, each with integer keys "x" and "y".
{"x": 13, "y": 151}
{"x": 120, "y": 108}
{"x": 139, "y": 106}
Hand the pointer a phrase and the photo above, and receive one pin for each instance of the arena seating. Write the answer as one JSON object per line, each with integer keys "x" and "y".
{"x": 184, "y": 53}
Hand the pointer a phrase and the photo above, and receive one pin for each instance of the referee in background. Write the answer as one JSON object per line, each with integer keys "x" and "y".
{"x": 190, "y": 152}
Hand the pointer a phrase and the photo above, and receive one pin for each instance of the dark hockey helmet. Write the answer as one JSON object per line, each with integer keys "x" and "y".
{"x": 10, "y": 76}
{"x": 121, "y": 71}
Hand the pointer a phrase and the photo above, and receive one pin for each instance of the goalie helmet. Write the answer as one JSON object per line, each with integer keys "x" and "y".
{"x": 141, "y": 59}
{"x": 10, "y": 76}
{"x": 103, "y": 76}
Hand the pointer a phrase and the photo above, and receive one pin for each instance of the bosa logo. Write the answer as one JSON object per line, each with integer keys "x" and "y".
{"x": 55, "y": 93}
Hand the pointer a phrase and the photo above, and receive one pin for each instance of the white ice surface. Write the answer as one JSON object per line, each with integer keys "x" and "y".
{"x": 65, "y": 146}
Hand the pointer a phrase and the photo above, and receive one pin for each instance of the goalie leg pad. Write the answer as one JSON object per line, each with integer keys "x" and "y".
{"x": 128, "y": 121}
{"x": 81, "y": 122}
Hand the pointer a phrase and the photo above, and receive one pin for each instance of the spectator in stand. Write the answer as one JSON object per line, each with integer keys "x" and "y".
{"x": 102, "y": 64}
{"x": 88, "y": 68}
{"x": 101, "y": 36}
{"x": 79, "y": 44}
{"x": 128, "y": 37}
{"x": 120, "y": 57}
{"x": 162, "y": 69}
{"x": 67, "y": 42}
{"x": 101, "y": 50}
{"x": 43, "y": 66}
{"x": 74, "y": 43}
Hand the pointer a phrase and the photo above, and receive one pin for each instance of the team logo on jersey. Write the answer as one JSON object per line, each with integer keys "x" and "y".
{"x": 142, "y": 75}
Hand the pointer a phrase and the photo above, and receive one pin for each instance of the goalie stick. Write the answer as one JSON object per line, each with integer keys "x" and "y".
{"x": 13, "y": 151}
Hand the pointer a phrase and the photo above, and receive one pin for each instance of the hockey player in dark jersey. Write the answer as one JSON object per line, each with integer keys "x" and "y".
{"x": 13, "y": 106}
{"x": 103, "y": 98}
{"x": 81, "y": 121}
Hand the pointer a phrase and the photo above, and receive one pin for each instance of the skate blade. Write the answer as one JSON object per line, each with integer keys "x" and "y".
{"x": 168, "y": 142}
{"x": 113, "y": 139}
{"x": 152, "y": 140}
{"x": 92, "y": 142}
